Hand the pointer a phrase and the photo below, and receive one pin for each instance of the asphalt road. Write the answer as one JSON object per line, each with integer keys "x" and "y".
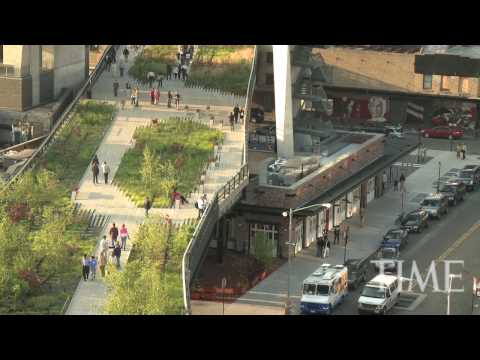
{"x": 431, "y": 244}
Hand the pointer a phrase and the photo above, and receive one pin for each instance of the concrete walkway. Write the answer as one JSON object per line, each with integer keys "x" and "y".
{"x": 89, "y": 296}
{"x": 380, "y": 216}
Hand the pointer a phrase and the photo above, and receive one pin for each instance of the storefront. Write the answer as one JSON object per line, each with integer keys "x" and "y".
{"x": 356, "y": 196}
{"x": 322, "y": 220}
{"x": 298, "y": 237}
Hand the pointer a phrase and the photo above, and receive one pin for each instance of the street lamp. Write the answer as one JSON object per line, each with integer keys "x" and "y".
{"x": 290, "y": 213}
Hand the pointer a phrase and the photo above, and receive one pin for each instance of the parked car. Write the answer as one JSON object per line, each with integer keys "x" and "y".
{"x": 379, "y": 295}
{"x": 476, "y": 171}
{"x": 443, "y": 180}
{"x": 396, "y": 235}
{"x": 469, "y": 178}
{"x": 455, "y": 191}
{"x": 442, "y": 132}
{"x": 415, "y": 221}
{"x": 359, "y": 271}
{"x": 454, "y": 173}
{"x": 435, "y": 205}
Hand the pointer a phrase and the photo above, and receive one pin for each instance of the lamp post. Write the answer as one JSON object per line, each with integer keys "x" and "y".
{"x": 439, "y": 170}
{"x": 291, "y": 244}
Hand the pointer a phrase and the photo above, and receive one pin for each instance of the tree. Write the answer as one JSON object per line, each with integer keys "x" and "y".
{"x": 263, "y": 250}
{"x": 149, "y": 170}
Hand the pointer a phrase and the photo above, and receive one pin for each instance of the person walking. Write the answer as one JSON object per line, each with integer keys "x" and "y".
{"x": 104, "y": 246}
{"x": 147, "y": 205}
{"x": 106, "y": 171}
{"x": 169, "y": 99}
{"x": 177, "y": 100}
{"x": 242, "y": 115}
{"x": 384, "y": 182}
{"x": 93, "y": 267}
{"x": 159, "y": 81}
{"x": 102, "y": 262}
{"x": 123, "y": 237}
{"x": 150, "y": 78}
{"x": 121, "y": 67}
{"x": 152, "y": 96}
{"x": 85, "y": 267}
{"x": 176, "y": 198}
{"x": 95, "y": 172}
{"x": 346, "y": 234}
{"x": 464, "y": 151}
{"x": 175, "y": 73}
{"x": 201, "y": 204}
{"x": 336, "y": 233}
{"x": 132, "y": 96}
{"x": 402, "y": 182}
{"x": 232, "y": 121}
{"x": 320, "y": 246}
{"x": 169, "y": 72}
{"x": 125, "y": 54}
{"x": 157, "y": 96}
{"x": 395, "y": 185}
{"x": 236, "y": 112}
{"x": 459, "y": 151}
{"x": 95, "y": 160}
{"x": 327, "y": 248}
{"x": 137, "y": 94}
{"x": 113, "y": 234}
{"x": 117, "y": 252}
{"x": 115, "y": 88}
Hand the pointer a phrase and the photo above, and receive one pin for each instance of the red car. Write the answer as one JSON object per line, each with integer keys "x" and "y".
{"x": 442, "y": 132}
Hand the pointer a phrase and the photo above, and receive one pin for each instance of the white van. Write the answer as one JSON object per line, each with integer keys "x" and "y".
{"x": 379, "y": 295}
{"x": 324, "y": 289}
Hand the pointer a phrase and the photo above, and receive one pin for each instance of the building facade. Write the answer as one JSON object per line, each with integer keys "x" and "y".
{"x": 32, "y": 75}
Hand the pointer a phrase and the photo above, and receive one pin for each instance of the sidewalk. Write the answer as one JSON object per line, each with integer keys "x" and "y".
{"x": 89, "y": 296}
{"x": 380, "y": 216}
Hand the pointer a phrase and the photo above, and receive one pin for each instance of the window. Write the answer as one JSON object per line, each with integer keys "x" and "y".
{"x": 463, "y": 85}
{"x": 268, "y": 79}
{"x": 271, "y": 236}
{"x": 444, "y": 85}
{"x": 427, "y": 82}
{"x": 269, "y": 57}
{"x": 47, "y": 57}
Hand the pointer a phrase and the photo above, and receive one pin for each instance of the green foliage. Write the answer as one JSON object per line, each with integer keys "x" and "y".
{"x": 154, "y": 58}
{"x": 40, "y": 246}
{"x": 263, "y": 250}
{"x": 151, "y": 284}
{"x": 223, "y": 67}
{"x": 185, "y": 148}
{"x": 71, "y": 153}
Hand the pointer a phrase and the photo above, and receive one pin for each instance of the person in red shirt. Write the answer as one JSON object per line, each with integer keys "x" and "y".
{"x": 152, "y": 96}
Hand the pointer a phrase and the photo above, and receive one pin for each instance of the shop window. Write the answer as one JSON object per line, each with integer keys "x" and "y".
{"x": 427, "y": 82}
{"x": 270, "y": 57}
{"x": 463, "y": 85}
{"x": 444, "y": 83}
{"x": 270, "y": 232}
{"x": 268, "y": 79}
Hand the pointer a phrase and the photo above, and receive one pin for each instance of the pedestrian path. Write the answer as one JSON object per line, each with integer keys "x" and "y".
{"x": 107, "y": 199}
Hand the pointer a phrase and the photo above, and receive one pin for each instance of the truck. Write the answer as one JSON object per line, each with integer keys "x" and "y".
{"x": 325, "y": 289}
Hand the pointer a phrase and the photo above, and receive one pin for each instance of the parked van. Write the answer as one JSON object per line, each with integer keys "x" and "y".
{"x": 324, "y": 289}
{"x": 379, "y": 295}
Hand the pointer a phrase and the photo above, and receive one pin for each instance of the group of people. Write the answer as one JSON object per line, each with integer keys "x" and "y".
{"x": 155, "y": 98}
{"x": 323, "y": 242}
{"x": 96, "y": 170}
{"x": 461, "y": 150}
{"x": 235, "y": 115}
{"x": 89, "y": 265}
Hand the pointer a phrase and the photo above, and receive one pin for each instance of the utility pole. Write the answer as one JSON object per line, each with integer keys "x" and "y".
{"x": 439, "y": 170}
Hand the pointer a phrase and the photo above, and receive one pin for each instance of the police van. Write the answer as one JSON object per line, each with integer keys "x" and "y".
{"x": 324, "y": 289}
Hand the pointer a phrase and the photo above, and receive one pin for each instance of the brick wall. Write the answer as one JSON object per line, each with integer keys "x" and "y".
{"x": 292, "y": 197}
{"x": 384, "y": 70}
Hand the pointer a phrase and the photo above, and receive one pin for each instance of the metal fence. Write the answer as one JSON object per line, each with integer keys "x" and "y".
{"x": 62, "y": 121}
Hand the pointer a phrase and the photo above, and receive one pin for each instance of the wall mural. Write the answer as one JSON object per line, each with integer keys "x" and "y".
{"x": 461, "y": 114}
{"x": 372, "y": 109}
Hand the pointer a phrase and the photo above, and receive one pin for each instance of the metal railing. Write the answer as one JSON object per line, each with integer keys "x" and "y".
{"x": 201, "y": 237}
{"x": 62, "y": 121}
